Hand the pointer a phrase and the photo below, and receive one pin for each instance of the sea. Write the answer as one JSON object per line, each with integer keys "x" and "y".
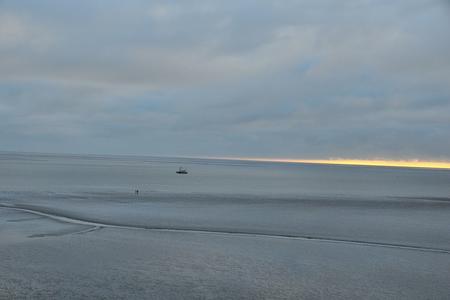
{"x": 72, "y": 227}
{"x": 41, "y": 172}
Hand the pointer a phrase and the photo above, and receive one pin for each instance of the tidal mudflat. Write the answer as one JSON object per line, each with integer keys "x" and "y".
{"x": 170, "y": 246}
{"x": 72, "y": 227}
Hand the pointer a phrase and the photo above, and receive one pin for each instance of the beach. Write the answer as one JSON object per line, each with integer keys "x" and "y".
{"x": 86, "y": 242}
{"x": 189, "y": 247}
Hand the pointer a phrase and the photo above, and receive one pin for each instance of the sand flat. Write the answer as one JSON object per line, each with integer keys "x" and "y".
{"x": 44, "y": 257}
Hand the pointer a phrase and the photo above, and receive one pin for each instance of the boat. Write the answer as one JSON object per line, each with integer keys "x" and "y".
{"x": 182, "y": 170}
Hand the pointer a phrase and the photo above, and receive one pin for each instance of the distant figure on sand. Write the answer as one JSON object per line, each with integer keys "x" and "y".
{"x": 136, "y": 192}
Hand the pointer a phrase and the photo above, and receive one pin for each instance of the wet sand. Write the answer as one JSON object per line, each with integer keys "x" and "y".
{"x": 169, "y": 246}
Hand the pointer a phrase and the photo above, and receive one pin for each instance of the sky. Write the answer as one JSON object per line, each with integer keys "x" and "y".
{"x": 318, "y": 79}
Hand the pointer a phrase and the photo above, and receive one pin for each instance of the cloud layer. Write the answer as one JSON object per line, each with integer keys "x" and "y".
{"x": 297, "y": 79}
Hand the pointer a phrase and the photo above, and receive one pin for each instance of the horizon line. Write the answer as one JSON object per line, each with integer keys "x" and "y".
{"x": 400, "y": 163}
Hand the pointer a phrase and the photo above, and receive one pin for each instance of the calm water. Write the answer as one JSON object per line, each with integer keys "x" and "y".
{"x": 84, "y": 173}
{"x": 229, "y": 241}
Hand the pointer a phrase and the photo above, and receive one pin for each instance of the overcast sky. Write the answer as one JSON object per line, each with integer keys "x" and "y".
{"x": 289, "y": 79}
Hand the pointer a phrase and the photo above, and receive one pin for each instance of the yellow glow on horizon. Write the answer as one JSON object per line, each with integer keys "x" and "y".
{"x": 356, "y": 162}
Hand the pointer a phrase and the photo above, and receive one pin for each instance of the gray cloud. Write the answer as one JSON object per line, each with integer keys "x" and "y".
{"x": 300, "y": 79}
